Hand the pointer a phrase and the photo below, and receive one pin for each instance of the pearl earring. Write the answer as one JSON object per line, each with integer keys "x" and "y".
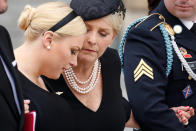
{"x": 48, "y": 47}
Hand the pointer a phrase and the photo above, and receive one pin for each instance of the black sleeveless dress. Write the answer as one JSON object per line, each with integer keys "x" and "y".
{"x": 113, "y": 111}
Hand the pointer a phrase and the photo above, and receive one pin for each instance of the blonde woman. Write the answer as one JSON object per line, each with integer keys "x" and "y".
{"x": 92, "y": 88}
{"x": 53, "y": 39}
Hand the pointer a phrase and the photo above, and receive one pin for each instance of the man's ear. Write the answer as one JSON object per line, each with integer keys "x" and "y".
{"x": 47, "y": 39}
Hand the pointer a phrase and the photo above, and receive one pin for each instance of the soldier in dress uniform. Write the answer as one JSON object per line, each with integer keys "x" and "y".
{"x": 158, "y": 54}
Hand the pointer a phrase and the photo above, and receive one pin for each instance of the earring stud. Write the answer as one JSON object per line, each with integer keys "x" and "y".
{"x": 48, "y": 47}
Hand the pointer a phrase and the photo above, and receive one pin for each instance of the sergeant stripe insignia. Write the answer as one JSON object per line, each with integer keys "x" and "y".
{"x": 143, "y": 69}
{"x": 187, "y": 92}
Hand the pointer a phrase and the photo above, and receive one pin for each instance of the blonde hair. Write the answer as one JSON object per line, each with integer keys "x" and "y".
{"x": 35, "y": 21}
{"x": 116, "y": 21}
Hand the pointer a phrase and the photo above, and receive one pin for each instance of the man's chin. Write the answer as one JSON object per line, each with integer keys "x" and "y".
{"x": 2, "y": 10}
{"x": 185, "y": 16}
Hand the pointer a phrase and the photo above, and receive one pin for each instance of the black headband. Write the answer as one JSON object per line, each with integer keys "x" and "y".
{"x": 64, "y": 21}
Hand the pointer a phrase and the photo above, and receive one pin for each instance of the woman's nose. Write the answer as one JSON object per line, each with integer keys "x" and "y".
{"x": 92, "y": 38}
{"x": 73, "y": 62}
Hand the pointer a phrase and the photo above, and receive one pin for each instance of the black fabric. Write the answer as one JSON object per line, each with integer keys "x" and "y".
{"x": 64, "y": 21}
{"x": 113, "y": 111}
{"x": 152, "y": 4}
{"x": 7, "y": 116}
{"x": 93, "y": 9}
{"x": 53, "y": 112}
{"x": 10, "y": 120}
{"x": 193, "y": 29}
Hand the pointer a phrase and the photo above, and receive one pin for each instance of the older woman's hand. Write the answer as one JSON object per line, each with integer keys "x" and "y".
{"x": 184, "y": 113}
{"x": 131, "y": 122}
{"x": 26, "y": 106}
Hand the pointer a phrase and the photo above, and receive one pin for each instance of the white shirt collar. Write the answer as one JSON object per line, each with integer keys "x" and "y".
{"x": 188, "y": 24}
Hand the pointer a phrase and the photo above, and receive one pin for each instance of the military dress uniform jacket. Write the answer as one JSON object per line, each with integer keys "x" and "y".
{"x": 150, "y": 91}
{"x": 10, "y": 120}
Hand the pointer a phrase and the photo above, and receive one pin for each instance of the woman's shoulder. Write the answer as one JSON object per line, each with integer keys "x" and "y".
{"x": 111, "y": 55}
{"x": 111, "y": 60}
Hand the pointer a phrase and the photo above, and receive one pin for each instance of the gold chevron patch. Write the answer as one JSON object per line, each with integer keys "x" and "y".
{"x": 143, "y": 69}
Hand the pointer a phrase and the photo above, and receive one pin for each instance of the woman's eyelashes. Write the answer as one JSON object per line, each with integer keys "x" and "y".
{"x": 101, "y": 32}
{"x": 104, "y": 34}
{"x": 75, "y": 51}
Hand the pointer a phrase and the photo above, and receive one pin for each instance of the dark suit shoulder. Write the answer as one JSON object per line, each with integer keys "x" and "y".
{"x": 3, "y": 32}
{"x": 5, "y": 38}
{"x": 2, "y": 28}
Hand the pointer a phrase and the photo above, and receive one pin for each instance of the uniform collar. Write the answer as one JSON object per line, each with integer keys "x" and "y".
{"x": 173, "y": 20}
{"x": 188, "y": 24}
{"x": 184, "y": 39}
{"x": 170, "y": 19}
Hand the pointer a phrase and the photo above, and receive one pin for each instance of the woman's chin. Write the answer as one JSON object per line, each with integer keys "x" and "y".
{"x": 54, "y": 76}
{"x": 87, "y": 58}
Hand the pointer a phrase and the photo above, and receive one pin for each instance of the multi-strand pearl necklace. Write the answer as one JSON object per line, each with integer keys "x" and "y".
{"x": 93, "y": 79}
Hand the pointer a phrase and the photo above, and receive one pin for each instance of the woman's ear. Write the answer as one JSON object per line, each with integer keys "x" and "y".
{"x": 113, "y": 37}
{"x": 47, "y": 39}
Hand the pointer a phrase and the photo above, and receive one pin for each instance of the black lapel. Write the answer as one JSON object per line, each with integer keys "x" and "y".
{"x": 185, "y": 39}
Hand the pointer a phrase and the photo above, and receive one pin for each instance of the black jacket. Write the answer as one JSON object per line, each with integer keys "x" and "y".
{"x": 10, "y": 120}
